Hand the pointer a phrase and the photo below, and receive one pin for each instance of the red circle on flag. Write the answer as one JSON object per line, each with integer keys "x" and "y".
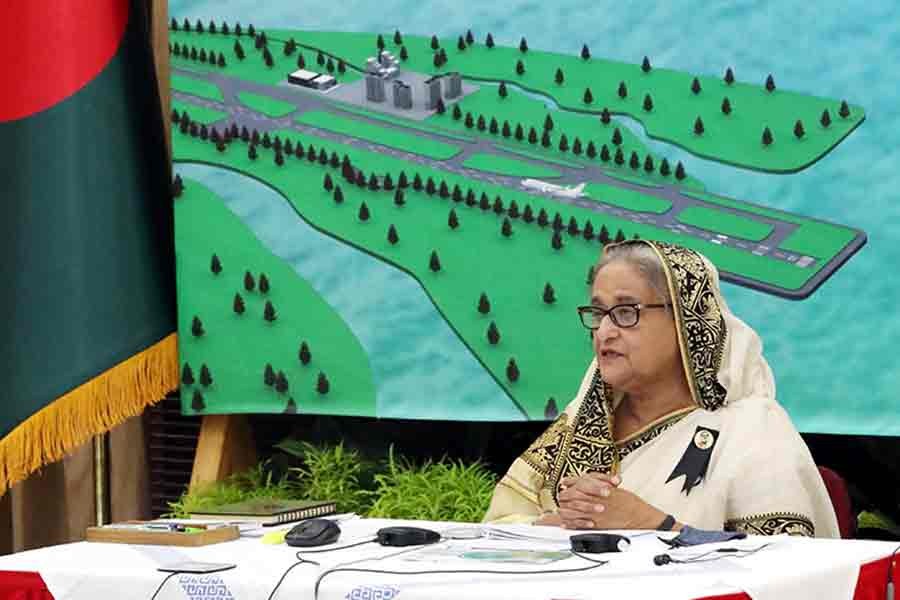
{"x": 52, "y": 48}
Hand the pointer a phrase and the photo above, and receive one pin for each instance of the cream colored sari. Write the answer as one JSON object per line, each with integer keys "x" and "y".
{"x": 759, "y": 476}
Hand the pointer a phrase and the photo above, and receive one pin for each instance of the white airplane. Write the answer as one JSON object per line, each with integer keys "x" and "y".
{"x": 553, "y": 189}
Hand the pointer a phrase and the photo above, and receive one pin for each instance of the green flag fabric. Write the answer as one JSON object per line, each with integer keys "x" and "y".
{"x": 86, "y": 231}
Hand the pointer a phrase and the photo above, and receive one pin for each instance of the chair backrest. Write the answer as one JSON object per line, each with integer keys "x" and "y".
{"x": 840, "y": 500}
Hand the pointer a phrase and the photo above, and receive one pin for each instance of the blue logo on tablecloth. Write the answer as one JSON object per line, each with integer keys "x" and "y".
{"x": 205, "y": 587}
{"x": 373, "y": 592}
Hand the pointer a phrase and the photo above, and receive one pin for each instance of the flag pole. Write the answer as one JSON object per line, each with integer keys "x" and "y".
{"x": 101, "y": 478}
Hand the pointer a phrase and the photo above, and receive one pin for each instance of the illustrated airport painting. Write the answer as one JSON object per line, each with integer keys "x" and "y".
{"x": 384, "y": 221}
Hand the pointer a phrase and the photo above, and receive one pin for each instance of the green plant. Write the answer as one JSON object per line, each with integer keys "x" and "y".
{"x": 257, "y": 482}
{"x": 443, "y": 491}
{"x": 331, "y": 473}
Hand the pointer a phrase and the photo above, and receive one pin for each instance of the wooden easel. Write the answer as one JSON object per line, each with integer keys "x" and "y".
{"x": 225, "y": 446}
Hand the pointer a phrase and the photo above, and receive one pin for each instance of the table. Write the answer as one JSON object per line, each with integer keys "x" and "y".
{"x": 788, "y": 568}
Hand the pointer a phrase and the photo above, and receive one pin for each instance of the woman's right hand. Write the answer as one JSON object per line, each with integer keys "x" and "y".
{"x": 551, "y": 519}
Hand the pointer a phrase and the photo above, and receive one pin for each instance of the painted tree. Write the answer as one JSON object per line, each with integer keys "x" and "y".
{"x": 501, "y": 90}
{"x": 559, "y": 78}
{"x": 549, "y": 294}
{"x": 206, "y": 379}
{"x": 729, "y": 76}
{"x": 648, "y": 103}
{"x": 844, "y": 110}
{"x": 551, "y": 411}
{"x": 493, "y": 127}
{"x": 249, "y": 281}
{"x": 493, "y": 334}
{"x": 197, "y": 403}
{"x": 588, "y": 97}
{"x": 469, "y": 121}
{"x": 435, "y": 44}
{"x": 399, "y": 198}
{"x": 481, "y": 124}
{"x": 767, "y": 137}
{"x": 373, "y": 184}
{"x": 461, "y": 44}
{"x": 379, "y": 42}
{"x": 603, "y": 236}
{"x": 512, "y": 370}
{"x": 457, "y": 112}
{"x": 605, "y": 116}
{"x": 263, "y": 284}
{"x": 572, "y": 228}
{"x": 506, "y": 229}
{"x": 470, "y": 39}
{"x": 363, "y": 212}
{"x": 556, "y": 241}
{"x": 528, "y": 214}
{"x": 645, "y": 65}
{"x": 452, "y": 220}
{"x": 269, "y": 375}
{"x": 695, "y": 86}
{"x": 542, "y": 219}
{"x": 237, "y": 304}
{"x": 398, "y": 38}
{"x": 387, "y": 182}
{"x": 546, "y": 142}
{"x": 197, "y": 327}
{"x": 484, "y": 305}
{"x": 402, "y": 180}
{"x": 322, "y": 384}
{"x": 304, "y": 354}
{"x": 520, "y": 67}
{"x": 291, "y": 407}
{"x": 251, "y": 152}
{"x": 664, "y": 168}
{"x": 591, "y": 151}
{"x": 620, "y": 236}
{"x": 825, "y": 119}
{"x": 484, "y": 202}
{"x": 588, "y": 231}
{"x": 616, "y": 137}
{"x": 392, "y": 236}
{"x": 679, "y": 171}
{"x": 589, "y": 280}
{"x": 489, "y": 41}
{"x": 417, "y": 183}
{"x": 404, "y": 53}
{"x": 269, "y": 312}
{"x": 505, "y": 131}
{"x": 698, "y": 126}
{"x": 623, "y": 90}
{"x": 649, "y": 167}
{"x": 523, "y": 46}
{"x": 267, "y": 58}
{"x": 187, "y": 375}
{"x": 585, "y": 52}
{"x": 726, "y": 106}
{"x": 338, "y": 195}
{"x": 513, "y": 210}
{"x": 497, "y": 207}
{"x": 281, "y": 382}
{"x": 215, "y": 265}
{"x": 799, "y": 131}
{"x": 619, "y": 157}
{"x": 577, "y": 150}
{"x": 434, "y": 263}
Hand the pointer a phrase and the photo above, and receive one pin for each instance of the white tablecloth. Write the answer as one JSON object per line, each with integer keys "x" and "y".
{"x": 794, "y": 568}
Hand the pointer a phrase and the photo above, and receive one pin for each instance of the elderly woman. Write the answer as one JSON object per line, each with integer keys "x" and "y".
{"x": 676, "y": 421}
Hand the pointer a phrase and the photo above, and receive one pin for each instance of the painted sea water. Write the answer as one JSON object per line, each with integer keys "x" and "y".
{"x": 832, "y": 354}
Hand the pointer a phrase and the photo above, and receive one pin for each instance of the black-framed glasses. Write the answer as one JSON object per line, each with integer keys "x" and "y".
{"x": 622, "y": 315}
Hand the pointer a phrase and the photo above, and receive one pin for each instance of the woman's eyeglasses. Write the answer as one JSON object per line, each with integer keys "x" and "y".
{"x": 622, "y": 315}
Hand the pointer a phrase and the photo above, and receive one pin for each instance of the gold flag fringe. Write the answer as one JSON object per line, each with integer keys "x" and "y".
{"x": 92, "y": 408}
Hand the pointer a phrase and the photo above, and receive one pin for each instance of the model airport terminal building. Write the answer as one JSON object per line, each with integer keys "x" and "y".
{"x": 311, "y": 79}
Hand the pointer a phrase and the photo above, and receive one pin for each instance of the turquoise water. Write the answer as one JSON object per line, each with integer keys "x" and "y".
{"x": 414, "y": 355}
{"x": 833, "y": 354}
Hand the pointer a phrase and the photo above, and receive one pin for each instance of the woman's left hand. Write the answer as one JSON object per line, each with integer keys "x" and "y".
{"x": 620, "y": 509}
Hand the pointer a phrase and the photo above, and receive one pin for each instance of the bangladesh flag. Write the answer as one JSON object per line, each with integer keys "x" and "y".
{"x": 88, "y": 303}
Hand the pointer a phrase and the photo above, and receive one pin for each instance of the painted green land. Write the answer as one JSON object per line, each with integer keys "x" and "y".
{"x": 405, "y": 142}
{"x": 725, "y": 223}
{"x": 733, "y": 139}
{"x": 627, "y": 199}
{"x": 531, "y": 113}
{"x": 812, "y": 238}
{"x": 492, "y": 163}
{"x": 237, "y": 348}
{"x": 197, "y": 87}
{"x": 478, "y": 250}
{"x": 253, "y": 67}
{"x": 266, "y": 105}
{"x": 198, "y": 113}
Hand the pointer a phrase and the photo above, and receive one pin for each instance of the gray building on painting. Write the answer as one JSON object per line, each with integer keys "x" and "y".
{"x": 374, "y": 88}
{"x": 402, "y": 95}
{"x": 454, "y": 85}
{"x": 432, "y": 92}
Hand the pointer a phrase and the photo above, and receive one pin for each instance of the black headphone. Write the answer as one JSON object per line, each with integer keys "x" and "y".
{"x": 598, "y": 543}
